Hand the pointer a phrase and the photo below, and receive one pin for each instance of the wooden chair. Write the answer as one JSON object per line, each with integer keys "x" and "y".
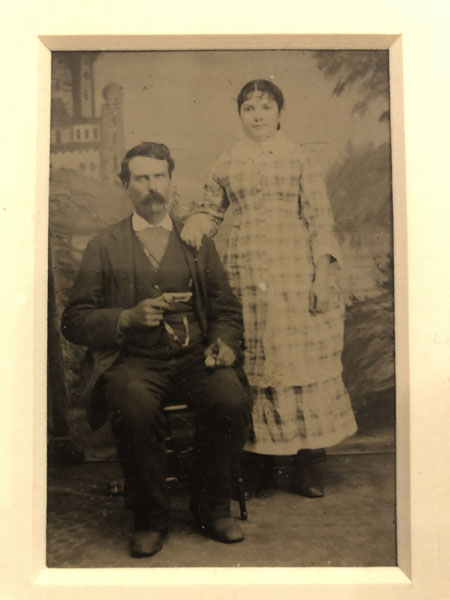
{"x": 180, "y": 456}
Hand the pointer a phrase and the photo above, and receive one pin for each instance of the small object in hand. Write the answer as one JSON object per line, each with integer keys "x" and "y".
{"x": 210, "y": 362}
{"x": 177, "y": 296}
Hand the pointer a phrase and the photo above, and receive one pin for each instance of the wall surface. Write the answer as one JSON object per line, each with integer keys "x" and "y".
{"x": 188, "y": 101}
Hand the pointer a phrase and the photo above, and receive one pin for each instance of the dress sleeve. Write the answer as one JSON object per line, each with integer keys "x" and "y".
{"x": 316, "y": 211}
{"x": 215, "y": 201}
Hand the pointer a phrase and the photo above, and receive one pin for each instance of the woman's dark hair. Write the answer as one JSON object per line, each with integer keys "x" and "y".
{"x": 260, "y": 85}
{"x": 149, "y": 149}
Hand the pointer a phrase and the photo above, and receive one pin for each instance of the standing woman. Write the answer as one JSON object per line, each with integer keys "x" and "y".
{"x": 278, "y": 260}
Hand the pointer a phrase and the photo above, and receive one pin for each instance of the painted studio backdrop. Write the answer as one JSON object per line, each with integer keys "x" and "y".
{"x": 337, "y": 105}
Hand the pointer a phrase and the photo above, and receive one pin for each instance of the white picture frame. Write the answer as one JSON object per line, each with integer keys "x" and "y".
{"x": 422, "y": 335}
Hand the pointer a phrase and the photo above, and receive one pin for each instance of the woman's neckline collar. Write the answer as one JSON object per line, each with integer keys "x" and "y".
{"x": 265, "y": 143}
{"x": 246, "y": 148}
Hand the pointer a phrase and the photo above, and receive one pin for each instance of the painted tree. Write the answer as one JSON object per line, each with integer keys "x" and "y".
{"x": 359, "y": 186}
{"x": 368, "y": 70}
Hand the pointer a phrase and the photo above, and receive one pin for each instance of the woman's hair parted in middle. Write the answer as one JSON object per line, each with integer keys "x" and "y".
{"x": 260, "y": 85}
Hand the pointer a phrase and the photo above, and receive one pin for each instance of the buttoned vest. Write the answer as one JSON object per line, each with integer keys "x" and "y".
{"x": 173, "y": 275}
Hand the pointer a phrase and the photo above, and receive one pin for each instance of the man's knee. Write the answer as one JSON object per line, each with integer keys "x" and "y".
{"x": 140, "y": 411}
{"x": 130, "y": 399}
{"x": 226, "y": 396}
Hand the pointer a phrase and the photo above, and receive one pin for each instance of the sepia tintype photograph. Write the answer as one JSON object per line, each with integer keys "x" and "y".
{"x": 221, "y": 376}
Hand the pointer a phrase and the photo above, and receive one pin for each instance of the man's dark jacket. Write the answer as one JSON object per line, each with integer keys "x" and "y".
{"x": 105, "y": 285}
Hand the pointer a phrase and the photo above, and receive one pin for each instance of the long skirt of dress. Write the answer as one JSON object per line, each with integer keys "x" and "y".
{"x": 289, "y": 419}
{"x": 286, "y": 345}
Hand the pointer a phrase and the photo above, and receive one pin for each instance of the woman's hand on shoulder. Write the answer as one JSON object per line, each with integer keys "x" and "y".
{"x": 194, "y": 229}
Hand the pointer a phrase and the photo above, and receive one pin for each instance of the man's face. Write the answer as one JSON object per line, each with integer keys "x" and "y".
{"x": 149, "y": 187}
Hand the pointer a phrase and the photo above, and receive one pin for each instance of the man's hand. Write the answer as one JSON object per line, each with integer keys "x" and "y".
{"x": 219, "y": 354}
{"x": 148, "y": 313}
{"x": 195, "y": 228}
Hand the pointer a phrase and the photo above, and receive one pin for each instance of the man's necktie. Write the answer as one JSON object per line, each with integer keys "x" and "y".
{"x": 154, "y": 240}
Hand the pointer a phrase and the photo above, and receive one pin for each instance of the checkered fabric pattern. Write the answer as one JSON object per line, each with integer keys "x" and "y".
{"x": 288, "y": 419}
{"x": 282, "y": 224}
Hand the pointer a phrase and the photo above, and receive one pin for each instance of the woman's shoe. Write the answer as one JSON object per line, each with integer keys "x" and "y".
{"x": 309, "y": 482}
{"x": 257, "y": 472}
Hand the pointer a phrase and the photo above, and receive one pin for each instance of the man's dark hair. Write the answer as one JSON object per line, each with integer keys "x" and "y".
{"x": 149, "y": 149}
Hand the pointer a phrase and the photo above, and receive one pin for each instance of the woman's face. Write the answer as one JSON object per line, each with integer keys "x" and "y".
{"x": 259, "y": 116}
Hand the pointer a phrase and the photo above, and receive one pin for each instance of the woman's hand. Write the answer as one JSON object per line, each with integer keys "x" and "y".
{"x": 319, "y": 296}
{"x": 195, "y": 228}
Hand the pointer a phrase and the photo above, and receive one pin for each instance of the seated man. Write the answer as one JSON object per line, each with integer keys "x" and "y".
{"x": 159, "y": 318}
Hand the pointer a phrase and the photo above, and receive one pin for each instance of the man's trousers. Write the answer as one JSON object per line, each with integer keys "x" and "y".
{"x": 136, "y": 388}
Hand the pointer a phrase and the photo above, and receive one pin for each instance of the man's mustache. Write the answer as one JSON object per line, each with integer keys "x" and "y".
{"x": 153, "y": 196}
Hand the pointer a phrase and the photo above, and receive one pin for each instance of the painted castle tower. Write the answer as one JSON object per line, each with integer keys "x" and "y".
{"x": 79, "y": 139}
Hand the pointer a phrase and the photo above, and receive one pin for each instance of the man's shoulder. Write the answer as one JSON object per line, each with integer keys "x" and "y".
{"x": 207, "y": 243}
{"x": 112, "y": 231}
{"x": 178, "y": 228}
{"x": 177, "y": 223}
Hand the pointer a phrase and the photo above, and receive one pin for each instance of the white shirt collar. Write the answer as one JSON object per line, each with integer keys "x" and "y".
{"x": 139, "y": 224}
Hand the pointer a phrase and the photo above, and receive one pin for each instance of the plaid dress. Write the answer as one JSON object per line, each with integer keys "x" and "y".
{"x": 282, "y": 224}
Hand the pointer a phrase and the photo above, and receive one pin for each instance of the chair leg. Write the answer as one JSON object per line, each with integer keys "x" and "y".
{"x": 241, "y": 499}
{"x": 238, "y": 484}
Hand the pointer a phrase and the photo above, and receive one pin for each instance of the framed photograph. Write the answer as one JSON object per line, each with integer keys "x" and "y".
{"x": 335, "y": 105}
{"x": 342, "y": 110}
